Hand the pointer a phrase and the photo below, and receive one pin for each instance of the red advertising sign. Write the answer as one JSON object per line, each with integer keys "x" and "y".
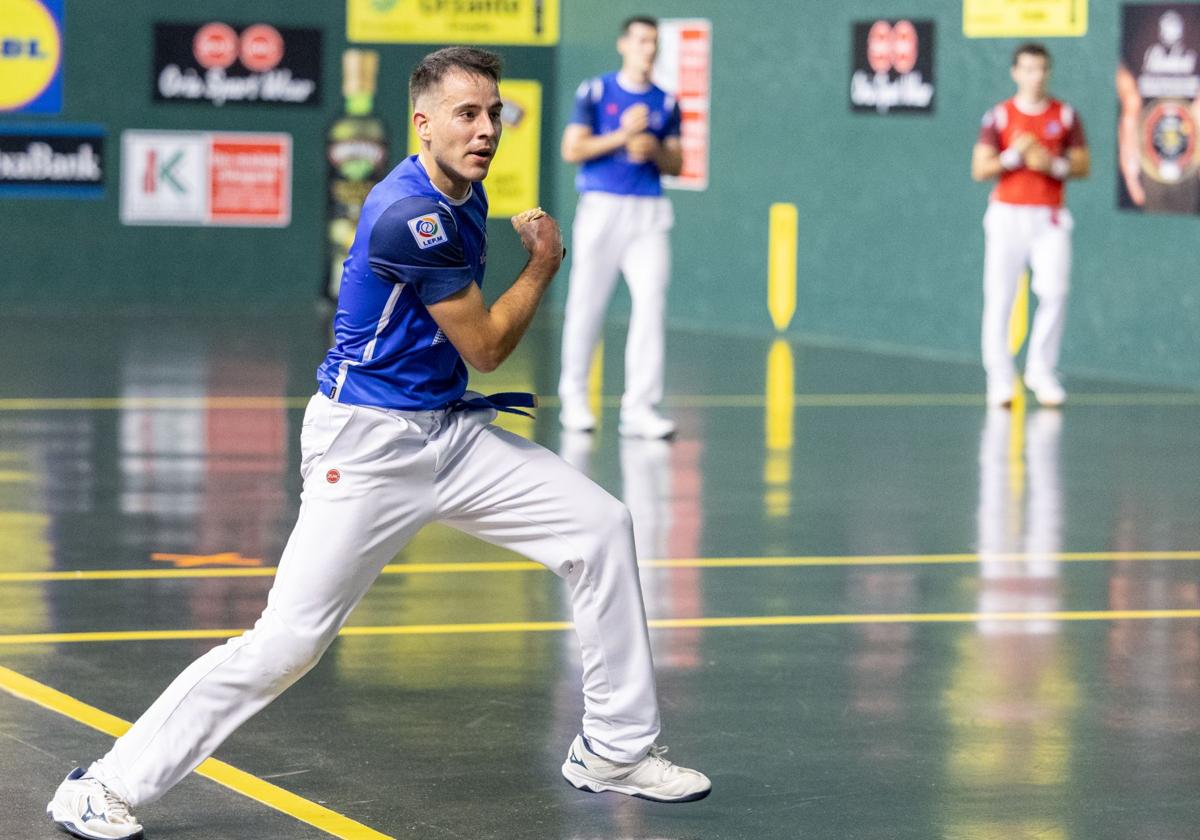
{"x": 206, "y": 178}
{"x": 683, "y": 68}
{"x": 249, "y": 180}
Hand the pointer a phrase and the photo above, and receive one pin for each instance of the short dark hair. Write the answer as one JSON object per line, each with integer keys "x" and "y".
{"x": 1031, "y": 48}
{"x": 433, "y": 68}
{"x": 643, "y": 19}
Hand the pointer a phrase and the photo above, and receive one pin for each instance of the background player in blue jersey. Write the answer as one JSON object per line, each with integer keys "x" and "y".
{"x": 393, "y": 441}
{"x": 624, "y": 132}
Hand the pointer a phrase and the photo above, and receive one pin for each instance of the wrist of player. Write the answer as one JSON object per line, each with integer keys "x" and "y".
{"x": 1011, "y": 159}
{"x": 1060, "y": 168}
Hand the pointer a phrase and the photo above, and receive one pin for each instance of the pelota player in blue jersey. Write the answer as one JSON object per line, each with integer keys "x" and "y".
{"x": 624, "y": 134}
{"x": 392, "y": 441}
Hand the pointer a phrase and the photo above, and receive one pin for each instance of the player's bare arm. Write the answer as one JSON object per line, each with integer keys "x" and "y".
{"x": 667, "y": 155}
{"x": 987, "y": 161}
{"x": 579, "y": 144}
{"x": 485, "y": 336}
{"x": 1128, "y": 145}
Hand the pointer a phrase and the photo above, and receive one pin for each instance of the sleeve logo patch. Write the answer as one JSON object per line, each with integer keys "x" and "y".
{"x": 427, "y": 231}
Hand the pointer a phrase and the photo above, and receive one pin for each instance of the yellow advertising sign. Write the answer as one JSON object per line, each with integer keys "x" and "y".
{"x": 529, "y": 22}
{"x": 513, "y": 181}
{"x": 1025, "y": 18}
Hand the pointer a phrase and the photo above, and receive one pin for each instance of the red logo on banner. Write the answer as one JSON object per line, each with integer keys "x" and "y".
{"x": 215, "y": 45}
{"x": 261, "y": 48}
{"x": 892, "y": 47}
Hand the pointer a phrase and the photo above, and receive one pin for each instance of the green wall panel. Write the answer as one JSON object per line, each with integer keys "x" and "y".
{"x": 891, "y": 243}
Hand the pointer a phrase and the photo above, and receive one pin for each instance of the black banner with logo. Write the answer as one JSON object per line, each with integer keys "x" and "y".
{"x": 222, "y": 64}
{"x": 892, "y": 68}
{"x": 1158, "y": 93}
{"x": 63, "y": 161}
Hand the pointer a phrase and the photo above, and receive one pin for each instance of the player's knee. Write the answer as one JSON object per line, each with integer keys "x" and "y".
{"x": 286, "y": 654}
{"x": 612, "y": 519}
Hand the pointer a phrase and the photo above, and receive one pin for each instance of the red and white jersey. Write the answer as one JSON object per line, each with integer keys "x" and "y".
{"x": 1056, "y": 127}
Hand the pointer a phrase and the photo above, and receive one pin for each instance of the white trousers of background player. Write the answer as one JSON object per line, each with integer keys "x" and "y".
{"x": 629, "y": 235}
{"x": 1018, "y": 237}
{"x": 397, "y": 471}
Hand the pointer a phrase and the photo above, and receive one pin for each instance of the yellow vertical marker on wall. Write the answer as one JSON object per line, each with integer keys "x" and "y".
{"x": 780, "y": 405}
{"x": 781, "y": 265}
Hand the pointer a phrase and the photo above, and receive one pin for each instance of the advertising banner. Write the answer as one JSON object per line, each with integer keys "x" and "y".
{"x": 31, "y": 56}
{"x": 51, "y": 161}
{"x": 1158, "y": 91}
{"x": 1025, "y": 18}
{"x": 684, "y": 69}
{"x": 517, "y": 22}
{"x": 892, "y": 69}
{"x": 206, "y": 178}
{"x": 219, "y": 64}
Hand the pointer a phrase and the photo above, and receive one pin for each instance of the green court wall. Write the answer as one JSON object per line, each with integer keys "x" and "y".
{"x": 890, "y": 240}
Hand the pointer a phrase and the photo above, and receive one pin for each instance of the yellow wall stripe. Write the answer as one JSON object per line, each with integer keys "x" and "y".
{"x": 236, "y": 780}
{"x": 657, "y": 624}
{"x": 666, "y": 563}
{"x": 783, "y": 234}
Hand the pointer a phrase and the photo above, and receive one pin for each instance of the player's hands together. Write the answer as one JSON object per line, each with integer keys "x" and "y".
{"x": 541, "y": 237}
{"x": 1023, "y": 142}
{"x": 1038, "y": 158}
{"x": 635, "y": 119}
{"x": 642, "y": 147}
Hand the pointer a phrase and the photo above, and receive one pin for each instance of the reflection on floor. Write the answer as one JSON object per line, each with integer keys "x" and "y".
{"x": 881, "y": 610}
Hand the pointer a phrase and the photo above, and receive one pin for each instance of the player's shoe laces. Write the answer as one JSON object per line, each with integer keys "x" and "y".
{"x": 652, "y": 778}
{"x": 646, "y": 424}
{"x": 575, "y": 416}
{"x": 1046, "y": 387}
{"x": 86, "y": 808}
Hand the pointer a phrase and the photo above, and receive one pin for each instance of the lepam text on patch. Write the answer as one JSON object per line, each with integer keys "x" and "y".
{"x": 427, "y": 231}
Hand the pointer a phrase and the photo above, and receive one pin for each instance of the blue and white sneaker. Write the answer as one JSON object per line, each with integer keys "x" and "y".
{"x": 86, "y": 808}
{"x": 652, "y": 778}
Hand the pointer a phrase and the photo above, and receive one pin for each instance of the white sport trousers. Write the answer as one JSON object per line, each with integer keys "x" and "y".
{"x": 1017, "y": 236}
{"x": 630, "y": 235}
{"x": 372, "y": 479}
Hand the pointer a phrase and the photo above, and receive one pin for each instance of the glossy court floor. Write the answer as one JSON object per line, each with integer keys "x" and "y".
{"x": 880, "y": 611}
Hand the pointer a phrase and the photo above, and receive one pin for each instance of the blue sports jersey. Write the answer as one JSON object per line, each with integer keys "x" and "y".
{"x": 599, "y": 103}
{"x": 413, "y": 247}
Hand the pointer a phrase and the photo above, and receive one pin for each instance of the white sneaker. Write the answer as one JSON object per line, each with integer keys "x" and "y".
{"x": 575, "y": 416}
{"x": 646, "y": 424}
{"x": 86, "y": 808}
{"x": 1000, "y": 394}
{"x": 652, "y": 778}
{"x": 1046, "y": 387}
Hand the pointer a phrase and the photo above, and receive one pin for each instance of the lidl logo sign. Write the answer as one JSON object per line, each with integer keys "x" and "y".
{"x": 31, "y": 52}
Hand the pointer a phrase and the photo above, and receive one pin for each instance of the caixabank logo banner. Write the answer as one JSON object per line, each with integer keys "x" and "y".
{"x": 218, "y": 63}
{"x": 41, "y": 160}
{"x": 31, "y": 56}
{"x": 893, "y": 66}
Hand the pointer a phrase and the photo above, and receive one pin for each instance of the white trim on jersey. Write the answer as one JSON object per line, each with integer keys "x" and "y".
{"x": 1068, "y": 116}
{"x": 1001, "y": 116}
{"x": 369, "y": 350}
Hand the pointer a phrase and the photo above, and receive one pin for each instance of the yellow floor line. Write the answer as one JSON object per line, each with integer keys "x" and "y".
{"x": 655, "y": 624}
{"x": 239, "y": 781}
{"x": 1133, "y": 398}
{"x": 664, "y": 563}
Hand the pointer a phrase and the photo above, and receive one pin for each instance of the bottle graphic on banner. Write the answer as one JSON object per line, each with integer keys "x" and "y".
{"x": 357, "y": 158}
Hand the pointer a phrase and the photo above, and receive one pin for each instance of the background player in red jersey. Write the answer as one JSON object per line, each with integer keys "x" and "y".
{"x": 1032, "y": 144}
